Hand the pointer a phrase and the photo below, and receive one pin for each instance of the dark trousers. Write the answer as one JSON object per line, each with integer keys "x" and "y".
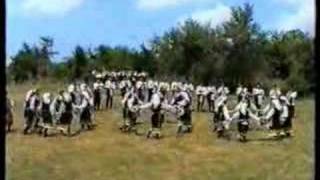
{"x": 288, "y": 123}
{"x": 30, "y": 117}
{"x": 186, "y": 117}
{"x": 156, "y": 120}
{"x": 109, "y": 100}
{"x": 149, "y": 94}
{"x": 276, "y": 125}
{"x": 132, "y": 118}
{"x": 85, "y": 118}
{"x": 97, "y": 100}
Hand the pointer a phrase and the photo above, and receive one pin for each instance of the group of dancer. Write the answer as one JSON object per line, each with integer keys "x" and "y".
{"x": 275, "y": 111}
{"x": 138, "y": 93}
{"x": 44, "y": 112}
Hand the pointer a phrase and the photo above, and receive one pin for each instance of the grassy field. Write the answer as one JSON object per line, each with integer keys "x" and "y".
{"x": 105, "y": 153}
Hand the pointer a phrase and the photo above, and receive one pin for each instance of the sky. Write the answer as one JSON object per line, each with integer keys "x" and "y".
{"x": 132, "y": 22}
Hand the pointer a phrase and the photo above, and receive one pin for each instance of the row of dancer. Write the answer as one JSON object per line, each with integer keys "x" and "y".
{"x": 48, "y": 111}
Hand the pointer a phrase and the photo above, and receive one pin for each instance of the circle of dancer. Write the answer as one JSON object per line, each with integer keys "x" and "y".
{"x": 45, "y": 112}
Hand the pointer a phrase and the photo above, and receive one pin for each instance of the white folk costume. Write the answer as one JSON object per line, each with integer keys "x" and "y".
{"x": 274, "y": 113}
{"x": 9, "y": 114}
{"x": 97, "y": 88}
{"x": 66, "y": 115}
{"x": 182, "y": 103}
{"x": 211, "y": 93}
{"x": 130, "y": 104}
{"x": 201, "y": 94}
{"x": 31, "y": 110}
{"x": 56, "y": 108}
{"x": 274, "y": 93}
{"x": 243, "y": 113}
{"x": 291, "y": 96}
{"x": 151, "y": 88}
{"x": 239, "y": 92}
{"x": 223, "y": 91}
{"x": 157, "y": 104}
{"x": 85, "y": 113}
{"x": 258, "y": 95}
{"x": 221, "y": 116}
{"x": 140, "y": 92}
{"x": 123, "y": 87}
{"x": 110, "y": 87}
{"x": 46, "y": 113}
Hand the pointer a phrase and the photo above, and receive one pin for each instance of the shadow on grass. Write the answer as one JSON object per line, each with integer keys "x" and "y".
{"x": 270, "y": 139}
{"x": 12, "y": 131}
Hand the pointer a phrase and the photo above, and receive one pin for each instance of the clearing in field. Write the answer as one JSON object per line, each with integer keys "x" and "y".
{"x": 106, "y": 153}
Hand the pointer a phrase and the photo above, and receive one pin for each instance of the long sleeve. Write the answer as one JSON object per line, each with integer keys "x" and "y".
{"x": 167, "y": 106}
{"x": 83, "y": 104}
{"x": 130, "y": 103}
{"x": 235, "y": 115}
{"x": 32, "y": 103}
{"x": 277, "y": 104}
{"x": 254, "y": 117}
{"x": 269, "y": 113}
{"x": 146, "y": 106}
{"x": 285, "y": 112}
{"x": 265, "y": 109}
{"x": 253, "y": 107}
{"x": 239, "y": 89}
{"x": 155, "y": 101}
{"x": 40, "y": 105}
{"x": 131, "y": 106}
{"x": 52, "y": 106}
{"x": 237, "y": 108}
{"x": 125, "y": 98}
{"x": 183, "y": 102}
{"x": 226, "y": 113}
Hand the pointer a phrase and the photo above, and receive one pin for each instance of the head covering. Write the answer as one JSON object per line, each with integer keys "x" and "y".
{"x": 221, "y": 100}
{"x": 46, "y": 98}
{"x": 60, "y": 98}
{"x": 139, "y": 84}
{"x": 67, "y": 97}
{"x": 29, "y": 94}
{"x": 99, "y": 76}
{"x": 71, "y": 88}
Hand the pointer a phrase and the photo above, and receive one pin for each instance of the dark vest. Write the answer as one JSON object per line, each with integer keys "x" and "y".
{"x": 68, "y": 106}
{"x": 57, "y": 105}
{"x": 244, "y": 116}
{"x": 46, "y": 107}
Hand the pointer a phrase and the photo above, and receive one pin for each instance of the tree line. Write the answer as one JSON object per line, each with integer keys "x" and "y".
{"x": 237, "y": 51}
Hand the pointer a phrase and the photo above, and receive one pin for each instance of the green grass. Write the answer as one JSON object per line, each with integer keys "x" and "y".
{"x": 105, "y": 153}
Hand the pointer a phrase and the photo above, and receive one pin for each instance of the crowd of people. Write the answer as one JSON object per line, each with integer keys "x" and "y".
{"x": 79, "y": 102}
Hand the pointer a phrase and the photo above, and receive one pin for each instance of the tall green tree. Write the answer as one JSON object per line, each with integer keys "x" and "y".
{"x": 79, "y": 63}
